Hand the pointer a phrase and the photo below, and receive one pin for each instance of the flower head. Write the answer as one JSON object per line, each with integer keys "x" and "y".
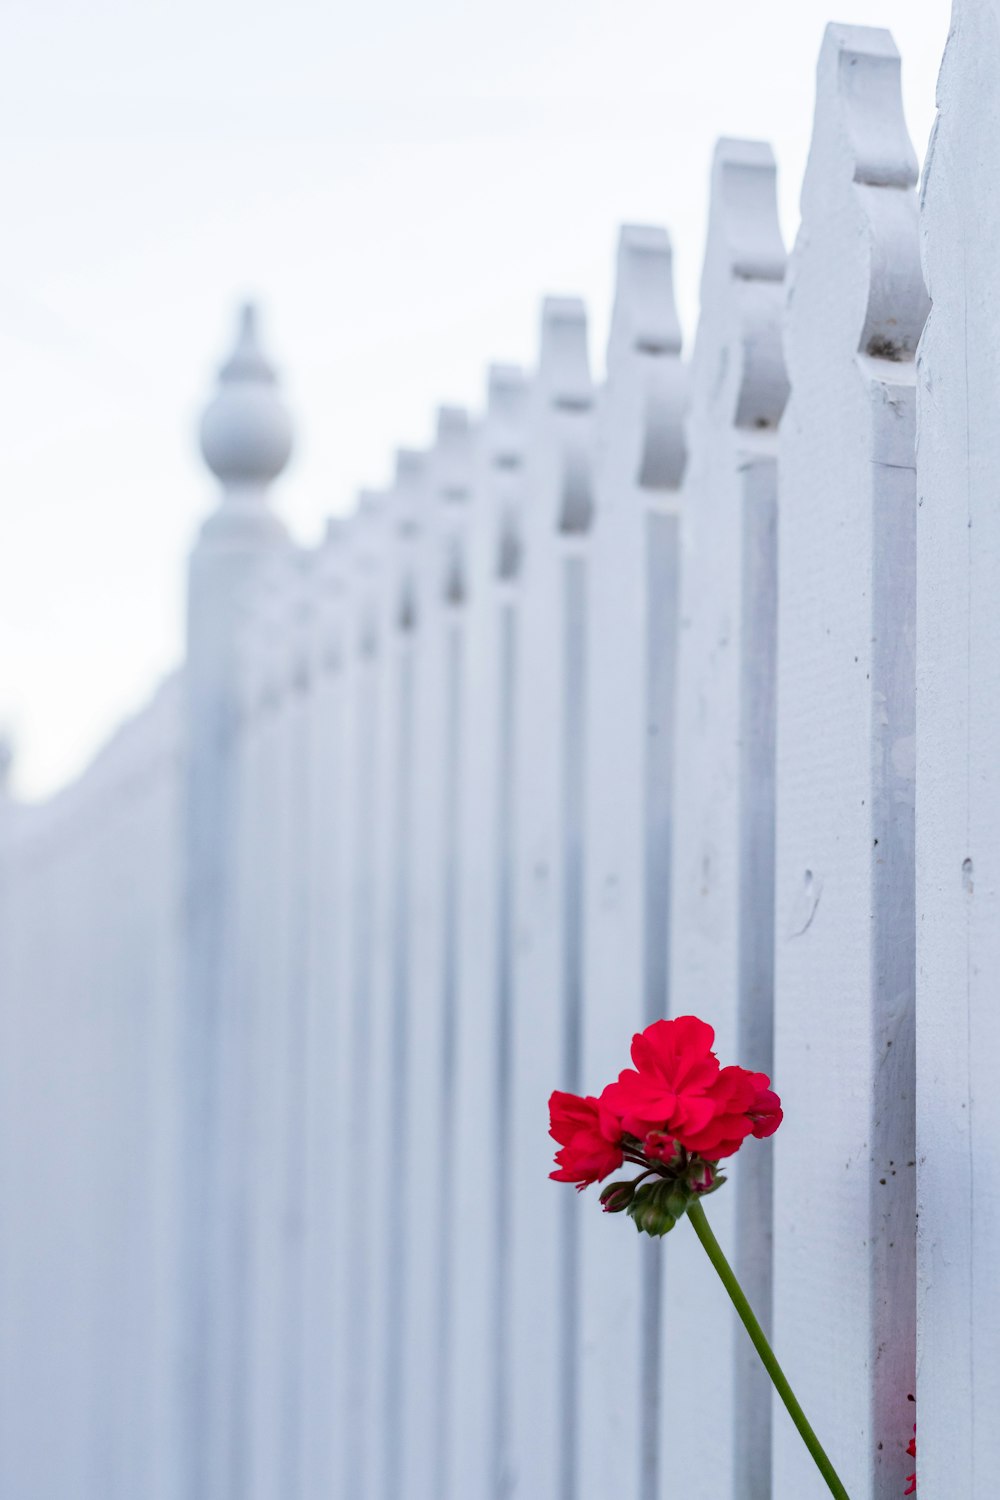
{"x": 674, "y": 1065}
{"x": 676, "y": 1112}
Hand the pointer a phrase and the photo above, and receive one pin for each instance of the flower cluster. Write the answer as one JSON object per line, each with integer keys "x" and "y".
{"x": 676, "y": 1114}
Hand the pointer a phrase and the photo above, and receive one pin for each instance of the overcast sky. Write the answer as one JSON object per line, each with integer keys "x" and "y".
{"x": 397, "y": 182}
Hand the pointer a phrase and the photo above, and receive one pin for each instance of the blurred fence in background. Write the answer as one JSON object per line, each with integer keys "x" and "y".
{"x": 671, "y": 692}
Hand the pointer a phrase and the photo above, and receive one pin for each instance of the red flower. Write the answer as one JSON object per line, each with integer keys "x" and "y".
{"x": 674, "y": 1065}
{"x": 590, "y": 1137}
{"x": 678, "y": 1088}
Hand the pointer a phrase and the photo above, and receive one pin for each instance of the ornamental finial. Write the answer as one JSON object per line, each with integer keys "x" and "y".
{"x": 246, "y": 429}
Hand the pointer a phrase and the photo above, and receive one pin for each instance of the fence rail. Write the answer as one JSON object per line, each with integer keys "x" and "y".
{"x": 669, "y": 691}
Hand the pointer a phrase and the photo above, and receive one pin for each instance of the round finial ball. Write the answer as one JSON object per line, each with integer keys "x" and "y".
{"x": 246, "y": 430}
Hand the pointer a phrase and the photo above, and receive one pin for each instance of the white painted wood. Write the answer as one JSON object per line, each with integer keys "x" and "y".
{"x": 405, "y": 613}
{"x": 434, "y": 662}
{"x": 844, "y": 1180}
{"x": 242, "y": 1001}
{"x": 293, "y": 894}
{"x": 287, "y": 974}
{"x": 424, "y": 1183}
{"x": 630, "y": 649}
{"x": 355, "y": 730}
{"x": 548, "y": 837}
{"x": 722, "y": 921}
{"x": 83, "y": 1123}
{"x": 478, "y": 1222}
{"x": 246, "y": 440}
{"x": 270, "y": 1084}
{"x": 958, "y": 802}
{"x": 326, "y": 1018}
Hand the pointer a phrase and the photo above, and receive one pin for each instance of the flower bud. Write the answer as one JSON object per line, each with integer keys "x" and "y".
{"x": 650, "y": 1208}
{"x": 660, "y": 1147}
{"x": 617, "y": 1196}
{"x": 701, "y": 1175}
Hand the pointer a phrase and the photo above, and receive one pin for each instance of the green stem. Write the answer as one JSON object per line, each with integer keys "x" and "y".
{"x": 713, "y": 1250}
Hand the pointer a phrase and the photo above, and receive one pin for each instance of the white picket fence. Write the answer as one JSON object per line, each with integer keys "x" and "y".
{"x": 676, "y": 691}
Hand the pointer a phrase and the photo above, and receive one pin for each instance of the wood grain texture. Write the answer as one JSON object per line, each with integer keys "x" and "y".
{"x": 488, "y": 547}
{"x": 632, "y": 605}
{"x": 958, "y": 798}
{"x": 844, "y": 1182}
{"x": 544, "y": 1036}
{"x": 723, "y": 886}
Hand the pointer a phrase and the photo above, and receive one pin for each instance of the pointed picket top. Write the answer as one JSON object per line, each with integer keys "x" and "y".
{"x": 452, "y": 456}
{"x": 504, "y": 440}
{"x": 744, "y": 235}
{"x": 564, "y": 386}
{"x": 742, "y": 298}
{"x": 644, "y": 319}
{"x": 506, "y": 415}
{"x": 859, "y": 159}
{"x": 408, "y": 489}
{"x": 451, "y": 468}
{"x": 563, "y": 367}
{"x": 366, "y": 526}
{"x": 858, "y": 93}
{"x": 408, "y": 508}
{"x": 645, "y": 393}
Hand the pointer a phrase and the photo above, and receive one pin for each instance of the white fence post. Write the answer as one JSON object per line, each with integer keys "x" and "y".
{"x": 419, "y": 978}
{"x": 549, "y": 762}
{"x": 630, "y": 660}
{"x": 274, "y": 1022}
{"x": 477, "y": 1217}
{"x": 844, "y": 1178}
{"x": 422, "y": 1182}
{"x": 723, "y": 877}
{"x": 355, "y": 747}
{"x": 246, "y": 440}
{"x": 326, "y": 1074}
{"x": 230, "y": 1454}
{"x": 958, "y": 797}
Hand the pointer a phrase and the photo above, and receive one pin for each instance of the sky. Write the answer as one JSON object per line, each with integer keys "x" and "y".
{"x": 396, "y": 184}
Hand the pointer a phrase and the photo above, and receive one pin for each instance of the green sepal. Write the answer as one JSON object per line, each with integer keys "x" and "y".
{"x": 650, "y": 1209}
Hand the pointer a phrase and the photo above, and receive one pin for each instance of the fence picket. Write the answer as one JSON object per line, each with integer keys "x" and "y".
{"x": 325, "y": 1017}
{"x": 605, "y": 709}
{"x": 630, "y": 640}
{"x": 844, "y": 1177}
{"x": 721, "y": 915}
{"x": 477, "y": 1215}
{"x": 548, "y": 765}
{"x": 958, "y": 807}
